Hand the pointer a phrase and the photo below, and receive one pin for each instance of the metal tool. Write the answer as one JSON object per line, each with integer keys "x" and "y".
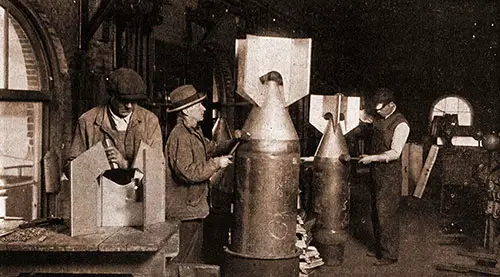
{"x": 41, "y": 222}
{"x": 347, "y": 158}
{"x": 34, "y": 223}
{"x": 219, "y": 174}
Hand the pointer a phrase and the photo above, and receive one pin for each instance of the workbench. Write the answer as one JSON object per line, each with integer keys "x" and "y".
{"x": 129, "y": 251}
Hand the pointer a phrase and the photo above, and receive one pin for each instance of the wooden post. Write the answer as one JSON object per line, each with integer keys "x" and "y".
{"x": 426, "y": 171}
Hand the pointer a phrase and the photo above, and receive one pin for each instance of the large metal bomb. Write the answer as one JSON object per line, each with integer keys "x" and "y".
{"x": 267, "y": 181}
{"x": 272, "y": 74}
{"x": 330, "y": 195}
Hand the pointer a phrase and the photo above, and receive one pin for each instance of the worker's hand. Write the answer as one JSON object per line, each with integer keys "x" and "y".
{"x": 241, "y": 135}
{"x": 366, "y": 159}
{"x": 224, "y": 161}
{"x": 114, "y": 156}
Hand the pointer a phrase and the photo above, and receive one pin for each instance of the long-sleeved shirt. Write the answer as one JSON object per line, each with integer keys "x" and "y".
{"x": 392, "y": 147}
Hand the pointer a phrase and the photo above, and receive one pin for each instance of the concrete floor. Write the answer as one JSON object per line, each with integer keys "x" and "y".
{"x": 423, "y": 244}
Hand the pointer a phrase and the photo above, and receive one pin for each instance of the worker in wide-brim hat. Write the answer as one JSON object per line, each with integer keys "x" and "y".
{"x": 192, "y": 160}
{"x": 121, "y": 123}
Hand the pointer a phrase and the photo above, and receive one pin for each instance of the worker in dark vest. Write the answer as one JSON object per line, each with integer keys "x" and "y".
{"x": 390, "y": 132}
{"x": 120, "y": 123}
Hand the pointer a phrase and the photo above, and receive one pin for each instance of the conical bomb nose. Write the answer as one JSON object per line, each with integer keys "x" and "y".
{"x": 333, "y": 143}
{"x": 275, "y": 97}
{"x": 271, "y": 121}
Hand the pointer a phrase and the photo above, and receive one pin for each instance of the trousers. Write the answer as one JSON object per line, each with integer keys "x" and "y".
{"x": 386, "y": 197}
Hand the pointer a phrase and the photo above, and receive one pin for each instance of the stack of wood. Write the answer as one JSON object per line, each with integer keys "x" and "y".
{"x": 310, "y": 258}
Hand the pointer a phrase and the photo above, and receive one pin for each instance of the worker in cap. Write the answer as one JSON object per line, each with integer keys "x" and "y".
{"x": 121, "y": 123}
{"x": 192, "y": 160}
{"x": 390, "y": 132}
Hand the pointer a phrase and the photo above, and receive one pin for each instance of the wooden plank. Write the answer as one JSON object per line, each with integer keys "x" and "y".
{"x": 82, "y": 243}
{"x": 154, "y": 236}
{"x": 108, "y": 239}
{"x": 83, "y": 264}
{"x": 404, "y": 169}
{"x": 487, "y": 257}
{"x": 193, "y": 270}
{"x": 161, "y": 233}
{"x": 154, "y": 187}
{"x": 426, "y": 171}
{"x": 134, "y": 240}
{"x": 84, "y": 189}
{"x": 415, "y": 164}
{"x": 52, "y": 240}
{"x": 119, "y": 241}
{"x": 62, "y": 254}
{"x": 492, "y": 271}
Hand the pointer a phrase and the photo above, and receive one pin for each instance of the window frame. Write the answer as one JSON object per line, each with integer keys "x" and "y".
{"x": 35, "y": 34}
{"x": 459, "y": 140}
{"x": 433, "y": 107}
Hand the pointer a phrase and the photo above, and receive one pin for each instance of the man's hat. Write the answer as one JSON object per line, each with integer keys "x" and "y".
{"x": 183, "y": 97}
{"x": 127, "y": 84}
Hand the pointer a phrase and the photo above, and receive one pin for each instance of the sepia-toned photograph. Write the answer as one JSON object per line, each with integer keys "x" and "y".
{"x": 249, "y": 138}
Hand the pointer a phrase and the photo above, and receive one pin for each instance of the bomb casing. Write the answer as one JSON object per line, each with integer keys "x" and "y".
{"x": 267, "y": 182}
{"x": 330, "y": 195}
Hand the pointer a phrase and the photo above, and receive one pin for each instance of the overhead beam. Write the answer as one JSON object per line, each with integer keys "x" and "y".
{"x": 88, "y": 28}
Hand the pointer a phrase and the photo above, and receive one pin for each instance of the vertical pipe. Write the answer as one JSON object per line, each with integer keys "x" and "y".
{"x": 84, "y": 20}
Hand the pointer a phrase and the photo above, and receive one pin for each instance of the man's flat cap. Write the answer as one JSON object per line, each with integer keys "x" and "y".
{"x": 127, "y": 84}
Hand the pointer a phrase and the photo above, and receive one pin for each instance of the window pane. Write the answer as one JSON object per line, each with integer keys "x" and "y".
{"x": 20, "y": 141}
{"x": 23, "y": 71}
{"x": 462, "y": 106}
{"x": 464, "y": 119}
{"x": 440, "y": 107}
{"x": 451, "y": 105}
{"x": 459, "y": 106}
{"x": 2, "y": 47}
{"x": 454, "y": 105}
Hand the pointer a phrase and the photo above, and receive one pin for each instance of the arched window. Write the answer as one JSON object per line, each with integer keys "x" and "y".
{"x": 23, "y": 97}
{"x": 459, "y": 106}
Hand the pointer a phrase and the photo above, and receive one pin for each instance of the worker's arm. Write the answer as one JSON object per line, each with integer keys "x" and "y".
{"x": 154, "y": 134}
{"x": 223, "y": 147}
{"x": 398, "y": 142}
{"x": 188, "y": 162}
{"x": 79, "y": 144}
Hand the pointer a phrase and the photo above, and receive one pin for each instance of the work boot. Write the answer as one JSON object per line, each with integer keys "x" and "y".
{"x": 384, "y": 261}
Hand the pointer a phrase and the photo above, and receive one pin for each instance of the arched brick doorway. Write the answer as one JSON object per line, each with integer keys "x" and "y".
{"x": 32, "y": 88}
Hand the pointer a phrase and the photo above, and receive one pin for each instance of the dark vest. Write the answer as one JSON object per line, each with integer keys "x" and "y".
{"x": 383, "y": 130}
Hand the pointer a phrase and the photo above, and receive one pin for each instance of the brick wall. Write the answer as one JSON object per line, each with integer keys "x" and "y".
{"x": 29, "y": 57}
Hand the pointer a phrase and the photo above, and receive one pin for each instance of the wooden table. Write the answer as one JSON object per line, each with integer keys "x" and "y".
{"x": 114, "y": 250}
